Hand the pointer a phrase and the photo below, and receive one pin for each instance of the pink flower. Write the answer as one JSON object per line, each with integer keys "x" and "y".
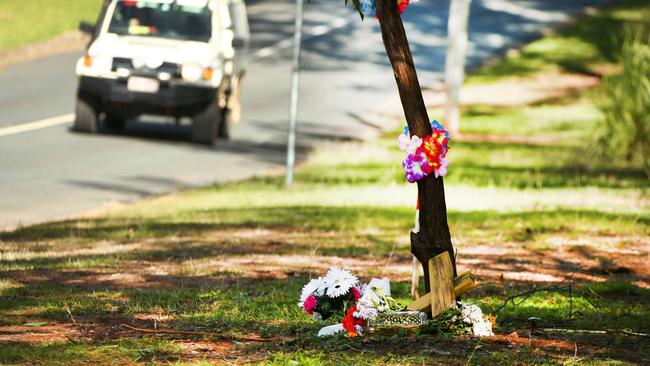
{"x": 310, "y": 304}
{"x": 442, "y": 170}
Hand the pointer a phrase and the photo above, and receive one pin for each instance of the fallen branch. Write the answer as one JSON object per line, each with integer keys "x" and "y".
{"x": 196, "y": 333}
{"x": 590, "y": 331}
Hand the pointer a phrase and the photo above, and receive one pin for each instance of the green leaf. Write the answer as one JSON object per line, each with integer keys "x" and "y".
{"x": 35, "y": 324}
{"x": 357, "y": 6}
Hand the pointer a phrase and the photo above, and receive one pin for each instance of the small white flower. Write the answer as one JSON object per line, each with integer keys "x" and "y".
{"x": 359, "y": 329}
{"x": 339, "y": 281}
{"x": 365, "y": 309}
{"x": 409, "y": 144}
{"x": 316, "y": 316}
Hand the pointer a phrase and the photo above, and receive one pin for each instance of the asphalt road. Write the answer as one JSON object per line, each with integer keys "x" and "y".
{"x": 347, "y": 91}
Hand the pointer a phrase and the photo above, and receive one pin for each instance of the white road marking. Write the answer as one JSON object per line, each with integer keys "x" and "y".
{"x": 36, "y": 125}
{"x": 316, "y": 31}
{"x": 259, "y": 54}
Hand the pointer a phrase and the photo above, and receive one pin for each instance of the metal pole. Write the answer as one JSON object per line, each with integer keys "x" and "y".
{"x": 295, "y": 83}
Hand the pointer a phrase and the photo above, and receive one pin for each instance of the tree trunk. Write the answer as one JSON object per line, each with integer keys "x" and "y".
{"x": 434, "y": 237}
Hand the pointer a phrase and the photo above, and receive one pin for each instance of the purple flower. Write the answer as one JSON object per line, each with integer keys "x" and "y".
{"x": 413, "y": 167}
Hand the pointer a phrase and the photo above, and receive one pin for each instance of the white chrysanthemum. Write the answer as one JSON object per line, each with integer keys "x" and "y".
{"x": 339, "y": 282}
{"x": 311, "y": 287}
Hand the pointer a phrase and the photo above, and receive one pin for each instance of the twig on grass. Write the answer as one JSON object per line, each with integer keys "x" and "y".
{"x": 560, "y": 286}
{"x": 67, "y": 309}
{"x": 478, "y": 345}
{"x": 592, "y": 331}
{"x": 196, "y": 333}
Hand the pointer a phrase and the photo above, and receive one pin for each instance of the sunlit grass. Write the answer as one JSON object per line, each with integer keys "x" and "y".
{"x": 583, "y": 47}
{"x": 24, "y": 22}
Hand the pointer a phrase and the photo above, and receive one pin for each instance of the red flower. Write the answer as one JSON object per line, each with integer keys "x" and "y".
{"x": 350, "y": 322}
{"x": 356, "y": 295}
{"x": 401, "y": 5}
{"x": 433, "y": 149}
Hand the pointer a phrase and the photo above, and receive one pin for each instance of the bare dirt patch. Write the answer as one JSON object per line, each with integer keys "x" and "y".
{"x": 69, "y": 41}
{"x": 52, "y": 332}
{"x": 519, "y": 91}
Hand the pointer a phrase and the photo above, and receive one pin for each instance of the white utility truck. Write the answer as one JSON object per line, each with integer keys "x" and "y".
{"x": 177, "y": 58}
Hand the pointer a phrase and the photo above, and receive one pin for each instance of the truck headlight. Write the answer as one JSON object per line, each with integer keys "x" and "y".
{"x": 191, "y": 72}
{"x": 98, "y": 64}
{"x": 194, "y": 72}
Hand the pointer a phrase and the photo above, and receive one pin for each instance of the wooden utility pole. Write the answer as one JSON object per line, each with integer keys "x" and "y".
{"x": 433, "y": 237}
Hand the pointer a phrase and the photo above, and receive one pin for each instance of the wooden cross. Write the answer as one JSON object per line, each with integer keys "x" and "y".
{"x": 444, "y": 287}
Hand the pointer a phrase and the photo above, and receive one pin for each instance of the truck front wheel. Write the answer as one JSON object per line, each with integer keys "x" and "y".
{"x": 86, "y": 119}
{"x": 205, "y": 125}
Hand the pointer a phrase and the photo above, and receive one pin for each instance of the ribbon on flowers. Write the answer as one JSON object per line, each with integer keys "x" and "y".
{"x": 425, "y": 155}
{"x": 368, "y": 7}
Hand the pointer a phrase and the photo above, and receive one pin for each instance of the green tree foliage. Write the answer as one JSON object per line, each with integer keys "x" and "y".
{"x": 624, "y": 132}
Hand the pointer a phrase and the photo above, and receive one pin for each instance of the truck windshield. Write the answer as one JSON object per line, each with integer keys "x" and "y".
{"x": 181, "y": 19}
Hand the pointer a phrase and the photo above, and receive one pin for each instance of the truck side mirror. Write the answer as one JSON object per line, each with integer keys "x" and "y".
{"x": 87, "y": 28}
{"x": 238, "y": 42}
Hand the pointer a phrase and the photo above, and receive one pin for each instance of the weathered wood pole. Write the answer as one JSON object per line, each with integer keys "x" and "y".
{"x": 434, "y": 237}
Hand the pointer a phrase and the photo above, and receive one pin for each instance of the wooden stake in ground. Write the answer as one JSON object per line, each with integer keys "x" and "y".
{"x": 434, "y": 237}
{"x": 444, "y": 287}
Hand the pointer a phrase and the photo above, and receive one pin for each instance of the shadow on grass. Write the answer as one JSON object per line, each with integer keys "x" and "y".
{"x": 590, "y": 41}
{"x": 522, "y": 165}
{"x": 552, "y": 166}
{"x": 349, "y": 219}
{"x": 266, "y": 306}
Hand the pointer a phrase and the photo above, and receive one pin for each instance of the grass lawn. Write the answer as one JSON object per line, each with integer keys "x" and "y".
{"x": 585, "y": 47}
{"x": 231, "y": 259}
{"x": 29, "y": 21}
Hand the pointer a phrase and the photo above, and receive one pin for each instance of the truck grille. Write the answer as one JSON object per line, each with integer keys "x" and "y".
{"x": 126, "y": 63}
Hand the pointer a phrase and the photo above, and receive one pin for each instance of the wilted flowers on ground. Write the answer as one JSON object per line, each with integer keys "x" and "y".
{"x": 480, "y": 323}
{"x": 461, "y": 319}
